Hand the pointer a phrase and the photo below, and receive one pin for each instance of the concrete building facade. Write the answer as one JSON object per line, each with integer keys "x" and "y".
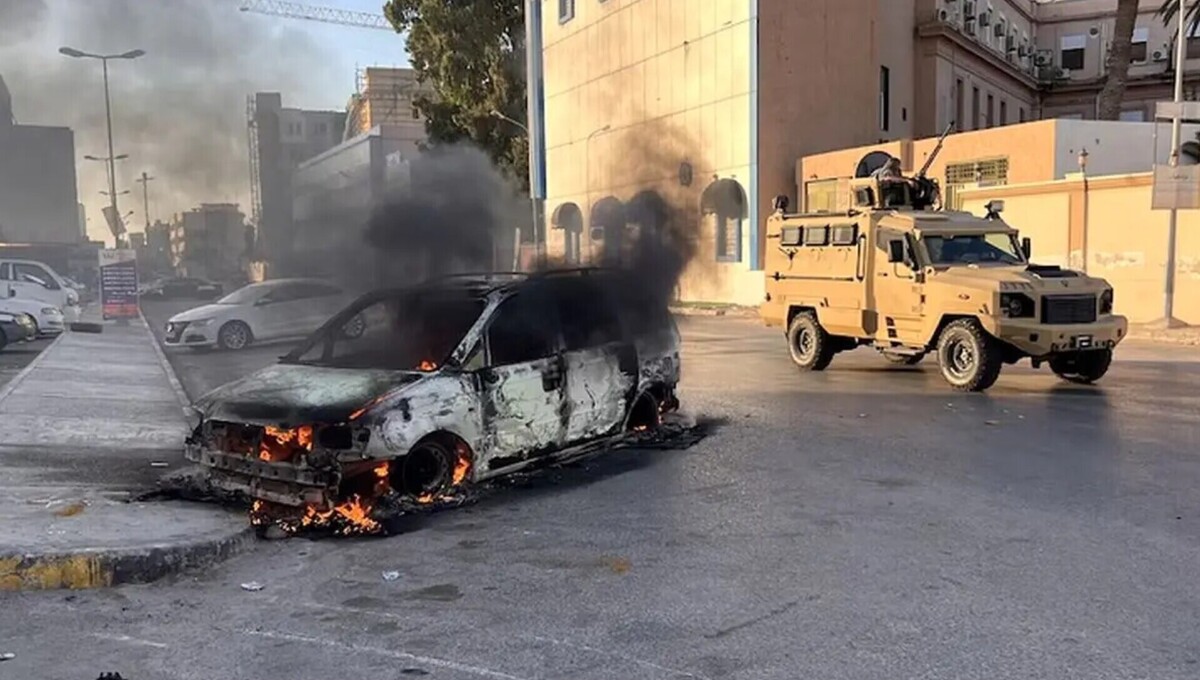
{"x": 386, "y": 96}
{"x": 280, "y": 140}
{"x": 212, "y": 241}
{"x": 709, "y": 105}
{"x": 39, "y": 199}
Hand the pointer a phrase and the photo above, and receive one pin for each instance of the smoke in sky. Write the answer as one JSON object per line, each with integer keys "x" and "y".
{"x": 179, "y": 112}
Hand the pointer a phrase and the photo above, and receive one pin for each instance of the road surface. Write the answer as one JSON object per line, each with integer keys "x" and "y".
{"x": 864, "y": 522}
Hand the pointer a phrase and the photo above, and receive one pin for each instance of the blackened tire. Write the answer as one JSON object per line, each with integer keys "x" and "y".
{"x": 903, "y": 359}
{"x": 1083, "y": 368}
{"x": 969, "y": 358}
{"x": 234, "y": 335}
{"x": 810, "y": 346}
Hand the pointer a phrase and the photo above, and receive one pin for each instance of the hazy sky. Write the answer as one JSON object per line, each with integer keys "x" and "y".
{"x": 179, "y": 111}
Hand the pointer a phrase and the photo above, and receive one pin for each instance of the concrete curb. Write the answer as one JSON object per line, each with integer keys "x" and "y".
{"x": 181, "y": 395}
{"x": 102, "y": 568}
{"x": 17, "y": 379}
{"x": 1165, "y": 337}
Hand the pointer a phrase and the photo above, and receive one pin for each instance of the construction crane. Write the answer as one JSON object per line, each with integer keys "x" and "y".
{"x": 295, "y": 10}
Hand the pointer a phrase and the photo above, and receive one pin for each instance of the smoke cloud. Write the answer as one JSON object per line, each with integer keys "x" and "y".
{"x": 179, "y": 111}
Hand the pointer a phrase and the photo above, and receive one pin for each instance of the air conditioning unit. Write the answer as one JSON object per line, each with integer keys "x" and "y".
{"x": 1159, "y": 56}
{"x": 985, "y": 18}
{"x": 998, "y": 30}
{"x": 969, "y": 8}
{"x": 943, "y": 16}
{"x": 969, "y": 28}
{"x": 1044, "y": 58}
{"x": 1064, "y": 74}
{"x": 1023, "y": 51}
{"x": 1010, "y": 44}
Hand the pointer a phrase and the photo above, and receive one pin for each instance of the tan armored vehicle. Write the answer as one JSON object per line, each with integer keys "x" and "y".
{"x": 908, "y": 280}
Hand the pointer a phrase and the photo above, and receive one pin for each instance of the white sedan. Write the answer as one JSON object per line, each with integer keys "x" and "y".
{"x": 48, "y": 317}
{"x": 271, "y": 310}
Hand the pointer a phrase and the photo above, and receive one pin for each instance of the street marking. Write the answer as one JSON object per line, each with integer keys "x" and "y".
{"x": 130, "y": 640}
{"x": 431, "y": 661}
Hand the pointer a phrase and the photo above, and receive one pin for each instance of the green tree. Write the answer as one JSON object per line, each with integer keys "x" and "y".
{"x": 1170, "y": 9}
{"x": 1119, "y": 55}
{"x": 472, "y": 55}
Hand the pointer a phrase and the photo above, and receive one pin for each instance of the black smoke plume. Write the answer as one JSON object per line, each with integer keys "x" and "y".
{"x": 179, "y": 112}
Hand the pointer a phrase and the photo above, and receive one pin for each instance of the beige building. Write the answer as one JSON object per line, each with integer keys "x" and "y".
{"x": 385, "y": 96}
{"x": 708, "y": 104}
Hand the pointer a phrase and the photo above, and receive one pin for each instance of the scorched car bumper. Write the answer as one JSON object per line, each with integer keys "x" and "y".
{"x": 283, "y": 483}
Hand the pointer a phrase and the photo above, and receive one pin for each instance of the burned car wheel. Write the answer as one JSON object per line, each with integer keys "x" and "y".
{"x": 1083, "y": 368}
{"x": 234, "y": 335}
{"x": 428, "y": 469}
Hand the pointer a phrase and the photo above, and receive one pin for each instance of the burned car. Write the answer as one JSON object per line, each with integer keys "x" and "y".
{"x": 457, "y": 380}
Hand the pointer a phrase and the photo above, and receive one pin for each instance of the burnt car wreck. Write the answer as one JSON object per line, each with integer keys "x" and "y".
{"x": 451, "y": 382}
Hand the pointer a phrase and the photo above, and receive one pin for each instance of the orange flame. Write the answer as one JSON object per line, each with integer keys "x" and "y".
{"x": 355, "y": 513}
{"x": 426, "y": 365}
{"x": 277, "y": 442}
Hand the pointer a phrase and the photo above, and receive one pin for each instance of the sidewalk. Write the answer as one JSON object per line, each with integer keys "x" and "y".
{"x": 93, "y": 420}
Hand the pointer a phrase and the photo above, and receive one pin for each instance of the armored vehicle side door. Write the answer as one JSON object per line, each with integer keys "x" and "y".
{"x": 898, "y": 294}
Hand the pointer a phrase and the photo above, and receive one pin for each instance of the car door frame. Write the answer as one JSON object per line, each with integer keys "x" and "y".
{"x": 523, "y": 402}
{"x": 267, "y": 313}
{"x": 35, "y": 291}
{"x": 897, "y": 288}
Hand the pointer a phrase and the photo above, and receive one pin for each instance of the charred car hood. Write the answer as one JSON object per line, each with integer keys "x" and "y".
{"x": 291, "y": 395}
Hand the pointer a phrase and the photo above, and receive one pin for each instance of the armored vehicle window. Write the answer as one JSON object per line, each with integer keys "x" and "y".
{"x": 864, "y": 197}
{"x": 816, "y": 236}
{"x": 845, "y": 235}
{"x": 790, "y": 236}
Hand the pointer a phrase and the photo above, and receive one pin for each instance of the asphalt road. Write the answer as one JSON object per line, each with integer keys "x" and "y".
{"x": 860, "y": 523}
{"x": 16, "y": 356}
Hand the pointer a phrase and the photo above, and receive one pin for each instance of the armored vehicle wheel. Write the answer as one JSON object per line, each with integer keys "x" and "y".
{"x": 1083, "y": 368}
{"x": 903, "y": 359}
{"x": 970, "y": 359}
{"x": 811, "y": 347}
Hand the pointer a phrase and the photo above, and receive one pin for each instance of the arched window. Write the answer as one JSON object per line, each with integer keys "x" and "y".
{"x": 725, "y": 200}
{"x": 569, "y": 218}
{"x": 870, "y": 163}
{"x": 607, "y": 224}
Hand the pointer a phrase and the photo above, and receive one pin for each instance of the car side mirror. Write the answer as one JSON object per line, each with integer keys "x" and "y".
{"x": 896, "y": 252}
{"x": 1027, "y": 247}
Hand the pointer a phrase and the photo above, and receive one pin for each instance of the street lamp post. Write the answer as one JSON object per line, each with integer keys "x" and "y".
{"x": 533, "y": 202}
{"x": 112, "y": 171}
{"x": 1176, "y": 133}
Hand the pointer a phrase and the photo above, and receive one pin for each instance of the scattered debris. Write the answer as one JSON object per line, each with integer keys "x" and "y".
{"x": 391, "y": 575}
{"x": 862, "y": 415}
{"x": 72, "y": 509}
{"x": 253, "y": 586}
{"x": 619, "y": 565}
{"x": 7, "y": 656}
{"x": 159, "y": 464}
{"x": 991, "y": 422}
{"x": 413, "y": 671}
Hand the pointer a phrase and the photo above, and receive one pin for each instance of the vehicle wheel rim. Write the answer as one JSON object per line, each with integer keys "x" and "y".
{"x": 959, "y": 358}
{"x": 805, "y": 343}
{"x": 235, "y": 337}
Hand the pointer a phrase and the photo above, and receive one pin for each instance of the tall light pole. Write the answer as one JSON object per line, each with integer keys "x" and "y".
{"x": 112, "y": 170}
{"x": 1176, "y": 134}
{"x": 533, "y": 202}
{"x": 145, "y": 180}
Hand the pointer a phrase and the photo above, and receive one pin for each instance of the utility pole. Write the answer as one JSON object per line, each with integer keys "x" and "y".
{"x": 145, "y": 182}
{"x": 1176, "y": 134}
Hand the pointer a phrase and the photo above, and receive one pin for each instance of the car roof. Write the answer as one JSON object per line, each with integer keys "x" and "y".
{"x": 482, "y": 284}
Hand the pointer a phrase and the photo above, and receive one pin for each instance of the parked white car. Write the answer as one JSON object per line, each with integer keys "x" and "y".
{"x": 32, "y": 280}
{"x": 49, "y": 319}
{"x": 271, "y": 310}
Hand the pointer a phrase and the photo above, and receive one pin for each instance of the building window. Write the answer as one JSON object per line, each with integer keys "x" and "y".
{"x": 725, "y": 200}
{"x": 1193, "y": 43}
{"x": 1135, "y": 116}
{"x": 566, "y": 11}
{"x": 960, "y": 98}
{"x": 986, "y": 172}
{"x": 1021, "y": 113}
{"x": 820, "y": 195}
{"x": 416, "y": 114}
{"x": 1072, "y": 52}
{"x": 991, "y": 111}
{"x": 975, "y": 108}
{"x": 885, "y": 98}
{"x": 1141, "y": 36}
{"x": 1003, "y": 112}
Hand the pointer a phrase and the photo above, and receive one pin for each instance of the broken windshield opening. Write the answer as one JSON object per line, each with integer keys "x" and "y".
{"x": 405, "y": 332}
{"x": 995, "y": 248}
